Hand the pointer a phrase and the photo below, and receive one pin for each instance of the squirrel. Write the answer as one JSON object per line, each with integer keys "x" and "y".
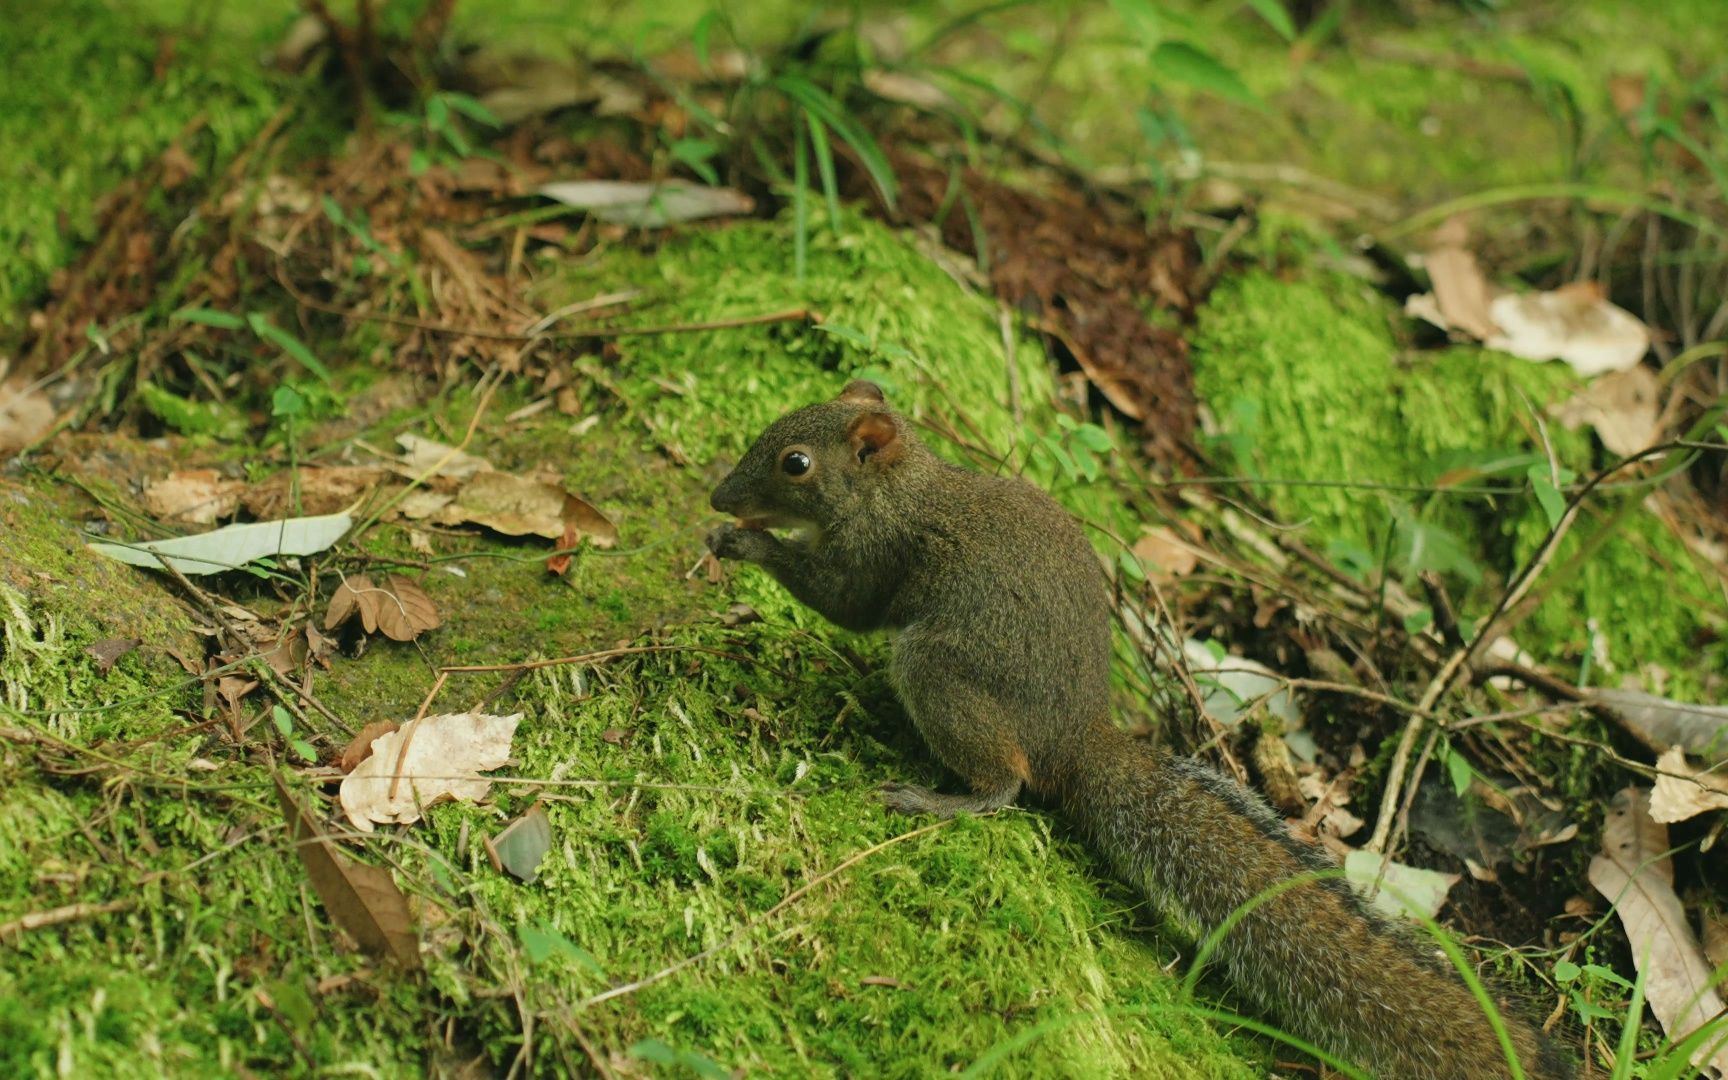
{"x": 1002, "y": 662}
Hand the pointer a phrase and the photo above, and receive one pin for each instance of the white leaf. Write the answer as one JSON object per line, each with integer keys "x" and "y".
{"x": 1573, "y": 323}
{"x": 648, "y": 206}
{"x": 1674, "y": 799}
{"x": 1405, "y": 891}
{"x": 446, "y": 755}
{"x": 233, "y": 546}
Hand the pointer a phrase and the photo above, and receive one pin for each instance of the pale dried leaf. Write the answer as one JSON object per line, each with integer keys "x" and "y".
{"x": 648, "y": 206}
{"x": 1165, "y": 554}
{"x": 1405, "y": 891}
{"x": 420, "y": 455}
{"x": 1674, "y": 799}
{"x": 234, "y": 545}
{"x": 108, "y": 652}
{"x": 1574, "y": 323}
{"x": 1461, "y": 293}
{"x": 1659, "y": 723}
{"x": 26, "y": 414}
{"x": 445, "y": 757}
{"x": 1621, "y": 406}
{"x": 1636, "y": 876}
{"x": 518, "y": 506}
{"x": 312, "y": 490}
{"x": 346, "y": 600}
{"x": 193, "y": 497}
{"x": 363, "y": 900}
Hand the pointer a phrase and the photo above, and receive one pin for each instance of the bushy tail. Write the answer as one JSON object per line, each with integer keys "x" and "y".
{"x": 1309, "y": 955}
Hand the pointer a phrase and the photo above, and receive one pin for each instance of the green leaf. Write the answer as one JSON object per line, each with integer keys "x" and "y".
{"x": 542, "y": 941}
{"x": 1094, "y": 437}
{"x": 286, "y": 401}
{"x": 523, "y": 843}
{"x": 658, "y": 1053}
{"x": 806, "y": 93}
{"x": 283, "y": 721}
{"x": 825, "y": 167}
{"x": 289, "y": 344}
{"x": 1565, "y": 971}
{"x": 1553, "y": 503}
{"x": 437, "y": 113}
{"x": 1418, "y": 620}
{"x": 847, "y": 334}
{"x": 696, "y": 155}
{"x": 1275, "y": 15}
{"x": 190, "y": 417}
{"x": 1142, "y": 18}
{"x": 1183, "y": 62}
{"x": 472, "y": 108}
{"x": 1459, "y": 769}
{"x": 418, "y": 162}
{"x": 304, "y": 749}
{"x": 1607, "y": 974}
{"x": 221, "y": 320}
{"x": 699, "y": 39}
{"x": 1130, "y": 567}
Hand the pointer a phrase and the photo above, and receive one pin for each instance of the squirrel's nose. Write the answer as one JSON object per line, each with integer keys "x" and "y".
{"x": 723, "y": 498}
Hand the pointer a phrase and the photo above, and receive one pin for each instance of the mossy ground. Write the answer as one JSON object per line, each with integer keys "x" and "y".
{"x": 689, "y": 792}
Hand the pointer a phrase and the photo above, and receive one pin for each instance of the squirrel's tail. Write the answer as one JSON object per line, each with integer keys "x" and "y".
{"x": 1311, "y": 956}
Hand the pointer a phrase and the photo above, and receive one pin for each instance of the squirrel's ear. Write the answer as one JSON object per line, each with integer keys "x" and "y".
{"x": 873, "y": 435}
{"x": 862, "y": 392}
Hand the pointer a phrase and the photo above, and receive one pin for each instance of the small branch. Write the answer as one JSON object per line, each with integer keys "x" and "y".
{"x": 56, "y": 916}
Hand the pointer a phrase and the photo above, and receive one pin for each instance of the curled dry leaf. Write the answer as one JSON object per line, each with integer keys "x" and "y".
{"x": 1676, "y": 799}
{"x": 397, "y": 607}
{"x": 193, "y": 497}
{"x": 1461, "y": 293}
{"x": 1164, "y": 553}
{"x": 361, "y": 899}
{"x": 444, "y": 758}
{"x": 518, "y": 849}
{"x": 108, "y": 653}
{"x": 360, "y": 747}
{"x": 233, "y": 546}
{"x": 1636, "y": 875}
{"x": 1574, "y": 323}
{"x": 648, "y": 206}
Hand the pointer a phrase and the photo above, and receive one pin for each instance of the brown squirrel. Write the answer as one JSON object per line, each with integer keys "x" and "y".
{"x": 1003, "y": 663}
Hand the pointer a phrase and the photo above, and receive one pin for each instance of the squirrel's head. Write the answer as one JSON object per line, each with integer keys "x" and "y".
{"x": 811, "y": 465}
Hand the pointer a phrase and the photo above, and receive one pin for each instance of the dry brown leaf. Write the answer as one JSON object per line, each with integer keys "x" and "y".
{"x": 1659, "y": 723}
{"x": 107, "y": 653}
{"x": 445, "y": 757}
{"x": 518, "y": 506}
{"x": 1621, "y": 406}
{"x": 194, "y": 497}
{"x": 362, "y": 899}
{"x": 26, "y": 414}
{"x": 404, "y": 611}
{"x": 311, "y": 490}
{"x": 1674, "y": 799}
{"x": 360, "y": 747}
{"x": 1636, "y": 875}
{"x": 1164, "y": 554}
{"x": 346, "y": 600}
{"x": 1715, "y": 935}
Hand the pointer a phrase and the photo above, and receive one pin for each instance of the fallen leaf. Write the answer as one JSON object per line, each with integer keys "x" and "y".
{"x": 740, "y": 615}
{"x": 1675, "y": 799}
{"x": 397, "y": 607}
{"x": 421, "y": 455}
{"x": 232, "y": 546}
{"x": 1636, "y": 875}
{"x": 193, "y": 497}
{"x": 615, "y": 736}
{"x": 1660, "y": 723}
{"x": 362, "y": 899}
{"x": 234, "y": 689}
{"x": 26, "y": 414}
{"x": 648, "y": 206}
{"x": 286, "y": 654}
{"x": 1621, "y": 406}
{"x": 1405, "y": 891}
{"x": 445, "y": 757}
{"x": 107, "y": 653}
{"x": 906, "y": 89}
{"x": 360, "y": 747}
{"x": 1462, "y": 294}
{"x": 1574, "y": 323}
{"x": 884, "y": 980}
{"x": 523, "y": 843}
{"x": 311, "y": 490}
{"x": 518, "y": 506}
{"x": 1164, "y": 554}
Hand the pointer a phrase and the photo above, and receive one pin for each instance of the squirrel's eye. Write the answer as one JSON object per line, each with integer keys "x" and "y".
{"x": 797, "y": 463}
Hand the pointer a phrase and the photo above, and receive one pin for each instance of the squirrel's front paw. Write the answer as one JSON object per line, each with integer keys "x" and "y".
{"x": 731, "y": 542}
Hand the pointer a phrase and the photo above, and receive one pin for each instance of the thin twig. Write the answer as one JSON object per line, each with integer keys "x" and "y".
{"x": 55, "y": 916}
{"x": 737, "y": 935}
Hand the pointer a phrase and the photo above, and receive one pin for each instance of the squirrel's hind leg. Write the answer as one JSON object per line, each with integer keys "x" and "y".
{"x": 913, "y": 799}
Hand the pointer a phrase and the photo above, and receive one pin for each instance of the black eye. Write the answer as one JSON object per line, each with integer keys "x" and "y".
{"x": 797, "y": 463}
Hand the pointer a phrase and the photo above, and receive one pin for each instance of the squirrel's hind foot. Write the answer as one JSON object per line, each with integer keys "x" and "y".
{"x": 913, "y": 799}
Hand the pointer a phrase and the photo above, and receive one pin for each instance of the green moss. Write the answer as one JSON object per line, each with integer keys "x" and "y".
{"x": 1345, "y": 434}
